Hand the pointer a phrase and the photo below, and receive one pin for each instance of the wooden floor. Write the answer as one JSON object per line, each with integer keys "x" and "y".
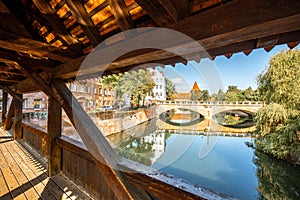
{"x": 22, "y": 176}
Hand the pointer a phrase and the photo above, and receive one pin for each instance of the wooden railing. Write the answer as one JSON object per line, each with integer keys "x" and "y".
{"x": 78, "y": 164}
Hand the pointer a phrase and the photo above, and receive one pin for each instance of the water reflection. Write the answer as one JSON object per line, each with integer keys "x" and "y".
{"x": 181, "y": 117}
{"x": 277, "y": 179}
{"x": 234, "y": 119}
{"x": 231, "y": 167}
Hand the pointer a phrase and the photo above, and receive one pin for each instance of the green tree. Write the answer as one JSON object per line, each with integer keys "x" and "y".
{"x": 170, "y": 89}
{"x": 278, "y": 122}
{"x": 204, "y": 95}
{"x": 221, "y": 95}
{"x": 234, "y": 94}
{"x": 136, "y": 84}
{"x": 196, "y": 95}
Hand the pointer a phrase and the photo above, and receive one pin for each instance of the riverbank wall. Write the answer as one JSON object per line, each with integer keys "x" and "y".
{"x": 123, "y": 120}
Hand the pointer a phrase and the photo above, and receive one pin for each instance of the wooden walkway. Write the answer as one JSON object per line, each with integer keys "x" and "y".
{"x": 22, "y": 176}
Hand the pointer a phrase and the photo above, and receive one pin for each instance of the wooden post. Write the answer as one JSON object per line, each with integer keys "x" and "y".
{"x": 8, "y": 119}
{"x": 18, "y": 118}
{"x": 4, "y": 105}
{"x": 54, "y": 131}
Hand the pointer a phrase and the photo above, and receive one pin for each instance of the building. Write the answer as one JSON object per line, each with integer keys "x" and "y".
{"x": 91, "y": 94}
{"x": 187, "y": 96}
{"x": 159, "y": 91}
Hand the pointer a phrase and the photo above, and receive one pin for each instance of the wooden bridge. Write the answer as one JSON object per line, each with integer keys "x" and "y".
{"x": 209, "y": 109}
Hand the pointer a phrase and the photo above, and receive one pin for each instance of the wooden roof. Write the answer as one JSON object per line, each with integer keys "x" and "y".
{"x": 45, "y": 39}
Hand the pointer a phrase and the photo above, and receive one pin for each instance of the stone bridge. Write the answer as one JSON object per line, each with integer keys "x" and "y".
{"x": 209, "y": 109}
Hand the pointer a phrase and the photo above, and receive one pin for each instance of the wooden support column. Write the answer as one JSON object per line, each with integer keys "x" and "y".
{"x": 4, "y": 106}
{"x": 8, "y": 119}
{"x": 103, "y": 154}
{"x": 54, "y": 132}
{"x": 18, "y": 118}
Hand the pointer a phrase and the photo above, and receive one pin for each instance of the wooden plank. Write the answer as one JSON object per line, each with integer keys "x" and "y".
{"x": 57, "y": 25}
{"x": 35, "y": 181}
{"x": 102, "y": 152}
{"x": 29, "y": 46}
{"x": 121, "y": 14}
{"x": 14, "y": 25}
{"x": 25, "y": 183}
{"x": 85, "y": 21}
{"x": 18, "y": 118}
{"x": 4, "y": 105}
{"x": 163, "y": 12}
{"x": 54, "y": 132}
{"x": 37, "y": 172}
{"x": 4, "y": 191}
{"x": 8, "y": 120}
{"x": 11, "y": 180}
{"x": 34, "y": 129}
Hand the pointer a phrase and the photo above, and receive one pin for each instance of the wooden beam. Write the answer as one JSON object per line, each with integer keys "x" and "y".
{"x": 10, "y": 23}
{"x": 12, "y": 93}
{"x": 85, "y": 21}
{"x": 18, "y": 43}
{"x": 37, "y": 79}
{"x": 121, "y": 14}
{"x": 163, "y": 12}
{"x": 57, "y": 25}
{"x": 8, "y": 120}
{"x": 54, "y": 132}
{"x": 25, "y": 59}
{"x": 183, "y": 9}
{"x": 18, "y": 118}
{"x": 4, "y": 105}
{"x": 103, "y": 154}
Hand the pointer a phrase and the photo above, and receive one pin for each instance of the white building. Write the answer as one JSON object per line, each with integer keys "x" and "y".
{"x": 159, "y": 91}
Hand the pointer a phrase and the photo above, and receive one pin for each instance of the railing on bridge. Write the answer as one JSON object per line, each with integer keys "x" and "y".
{"x": 187, "y": 102}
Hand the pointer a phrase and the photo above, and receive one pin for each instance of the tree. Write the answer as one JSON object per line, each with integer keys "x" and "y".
{"x": 136, "y": 84}
{"x": 170, "y": 89}
{"x": 221, "y": 95}
{"x": 204, "y": 95}
{"x": 234, "y": 94}
{"x": 279, "y": 122}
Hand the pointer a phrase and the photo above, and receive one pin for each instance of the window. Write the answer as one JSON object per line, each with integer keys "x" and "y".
{"x": 100, "y": 90}
{"x": 80, "y": 88}
{"x": 37, "y": 104}
{"x": 156, "y": 86}
{"x": 87, "y": 89}
{"x": 95, "y": 90}
{"x": 72, "y": 87}
{"x": 112, "y": 93}
{"x": 160, "y": 86}
{"x": 108, "y": 92}
{"x": 160, "y": 94}
{"x": 1, "y": 105}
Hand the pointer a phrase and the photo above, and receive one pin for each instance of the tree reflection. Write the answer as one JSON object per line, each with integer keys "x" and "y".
{"x": 277, "y": 179}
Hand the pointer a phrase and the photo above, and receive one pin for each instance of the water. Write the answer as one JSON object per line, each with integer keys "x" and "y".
{"x": 223, "y": 164}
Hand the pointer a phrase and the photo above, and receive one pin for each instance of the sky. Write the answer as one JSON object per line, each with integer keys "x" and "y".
{"x": 239, "y": 70}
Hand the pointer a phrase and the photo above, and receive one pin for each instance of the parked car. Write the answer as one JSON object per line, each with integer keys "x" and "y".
{"x": 105, "y": 108}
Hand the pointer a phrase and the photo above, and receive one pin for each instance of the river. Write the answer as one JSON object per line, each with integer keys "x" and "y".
{"x": 223, "y": 164}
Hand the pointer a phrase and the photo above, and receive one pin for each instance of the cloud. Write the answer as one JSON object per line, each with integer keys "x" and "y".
{"x": 177, "y": 80}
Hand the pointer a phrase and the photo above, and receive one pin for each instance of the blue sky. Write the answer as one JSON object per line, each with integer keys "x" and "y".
{"x": 240, "y": 70}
